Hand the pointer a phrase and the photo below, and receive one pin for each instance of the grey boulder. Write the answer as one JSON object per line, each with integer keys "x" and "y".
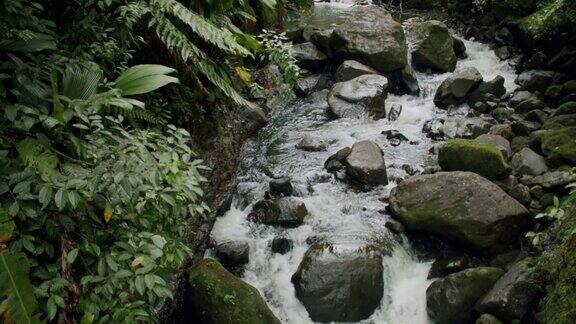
{"x": 455, "y": 89}
{"x": 365, "y": 164}
{"x": 360, "y": 96}
{"x": 309, "y": 57}
{"x": 433, "y": 48}
{"x": 351, "y": 69}
{"x": 285, "y": 211}
{"x": 528, "y": 162}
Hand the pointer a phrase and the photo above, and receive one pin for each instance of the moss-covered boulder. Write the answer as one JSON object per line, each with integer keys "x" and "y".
{"x": 474, "y": 156}
{"x": 567, "y": 108}
{"x": 433, "y": 48}
{"x": 451, "y": 300}
{"x": 218, "y": 297}
{"x": 559, "y": 145}
{"x": 462, "y": 207}
{"x": 560, "y": 121}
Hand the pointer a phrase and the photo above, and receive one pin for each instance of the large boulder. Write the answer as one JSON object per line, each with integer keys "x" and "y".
{"x": 474, "y": 156}
{"x": 370, "y": 35}
{"x": 528, "y": 162}
{"x": 350, "y": 69}
{"x": 559, "y": 145}
{"x": 363, "y": 95}
{"x": 456, "y": 88}
{"x": 365, "y": 164}
{"x": 285, "y": 211}
{"x": 460, "y": 206}
{"x": 339, "y": 284}
{"x": 308, "y": 56}
{"x": 433, "y": 48}
{"x": 513, "y": 295}
{"x": 495, "y": 88}
{"x": 219, "y": 297}
{"x": 451, "y": 300}
{"x": 535, "y": 80}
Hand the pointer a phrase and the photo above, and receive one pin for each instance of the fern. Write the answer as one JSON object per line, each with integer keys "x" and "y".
{"x": 80, "y": 81}
{"x": 179, "y": 43}
{"x": 20, "y": 303}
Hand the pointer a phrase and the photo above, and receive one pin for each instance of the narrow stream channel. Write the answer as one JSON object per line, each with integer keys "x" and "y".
{"x": 338, "y": 214}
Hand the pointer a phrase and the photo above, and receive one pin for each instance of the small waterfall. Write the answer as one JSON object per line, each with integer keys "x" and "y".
{"x": 339, "y": 214}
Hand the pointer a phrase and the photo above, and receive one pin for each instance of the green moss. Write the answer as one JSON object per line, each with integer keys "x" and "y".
{"x": 519, "y": 142}
{"x": 221, "y": 298}
{"x": 559, "y": 145}
{"x": 557, "y": 269}
{"x": 474, "y": 156}
{"x": 560, "y": 121}
{"x": 566, "y": 109}
{"x": 548, "y": 21}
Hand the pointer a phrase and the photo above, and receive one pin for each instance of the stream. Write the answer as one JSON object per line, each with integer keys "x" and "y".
{"x": 339, "y": 214}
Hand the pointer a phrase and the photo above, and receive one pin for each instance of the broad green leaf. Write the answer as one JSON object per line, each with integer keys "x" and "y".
{"x": 140, "y": 71}
{"x": 45, "y": 195}
{"x": 140, "y": 285}
{"x": 7, "y": 226}
{"x": 15, "y": 287}
{"x": 61, "y": 198}
{"x": 72, "y": 255}
{"x": 146, "y": 84}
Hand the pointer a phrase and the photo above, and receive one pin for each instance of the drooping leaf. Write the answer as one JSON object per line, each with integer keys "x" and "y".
{"x": 142, "y": 79}
{"x": 20, "y": 304}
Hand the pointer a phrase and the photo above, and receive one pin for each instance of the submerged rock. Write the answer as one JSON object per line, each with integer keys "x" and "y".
{"x": 351, "y": 69}
{"x": 513, "y": 295}
{"x": 281, "y": 245}
{"x": 370, "y": 35}
{"x": 339, "y": 284}
{"x": 473, "y": 155}
{"x": 395, "y": 111}
{"x": 365, "y": 164}
{"x": 451, "y": 300}
{"x": 286, "y": 211}
{"x": 433, "y": 48}
{"x": 281, "y": 187}
{"x": 461, "y": 206}
{"x": 311, "y": 145}
{"x": 455, "y": 89}
{"x": 351, "y": 99}
{"x": 219, "y": 297}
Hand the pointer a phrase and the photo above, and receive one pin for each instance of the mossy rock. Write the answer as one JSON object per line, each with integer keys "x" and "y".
{"x": 567, "y": 108}
{"x": 218, "y": 297}
{"x": 520, "y": 142}
{"x": 474, "y": 156}
{"x": 559, "y": 145}
{"x": 561, "y": 121}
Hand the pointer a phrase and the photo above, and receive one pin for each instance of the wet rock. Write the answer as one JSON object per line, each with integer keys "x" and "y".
{"x": 537, "y": 191}
{"x": 394, "y": 134}
{"x": 219, "y": 297}
{"x": 568, "y": 108}
{"x": 281, "y": 187}
{"x": 455, "y": 89}
{"x": 536, "y": 116}
{"x": 309, "y": 56}
{"x": 535, "y": 80}
{"x": 253, "y": 118}
{"x": 474, "y": 156}
{"x": 286, "y": 212}
{"x": 532, "y": 103}
{"x": 502, "y": 114}
{"x": 336, "y": 161}
{"x": 565, "y": 60}
{"x": 507, "y": 183}
{"x": 498, "y": 141}
{"x": 528, "y": 162}
{"x": 537, "y": 60}
{"x": 461, "y": 206}
{"x": 395, "y": 111}
{"x": 560, "y": 121}
{"x": 488, "y": 319}
{"x": 495, "y": 87}
{"x": 521, "y": 193}
{"x": 513, "y": 295}
{"x": 549, "y": 180}
{"x": 406, "y": 82}
{"x": 338, "y": 284}
{"x": 365, "y": 164}
{"x": 559, "y": 146}
{"x": 351, "y": 99}
{"x": 370, "y": 35}
{"x": 459, "y": 48}
{"x": 320, "y": 38}
{"x": 446, "y": 266}
{"x": 521, "y": 127}
{"x": 307, "y": 85}
{"x": 350, "y": 69}
{"x": 503, "y": 130}
{"x": 433, "y": 48}
{"x": 395, "y": 226}
{"x": 503, "y": 53}
{"x": 518, "y": 97}
{"x": 281, "y": 245}
{"x": 311, "y": 145}
{"x": 233, "y": 254}
{"x": 456, "y": 127}
{"x": 451, "y": 300}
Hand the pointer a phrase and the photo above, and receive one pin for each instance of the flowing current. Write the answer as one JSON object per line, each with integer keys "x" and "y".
{"x": 338, "y": 214}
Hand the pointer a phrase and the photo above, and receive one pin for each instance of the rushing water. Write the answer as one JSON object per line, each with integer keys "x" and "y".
{"x": 345, "y": 217}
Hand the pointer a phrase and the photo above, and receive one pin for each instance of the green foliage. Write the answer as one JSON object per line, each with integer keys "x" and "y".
{"x": 20, "y": 303}
{"x": 277, "y": 49}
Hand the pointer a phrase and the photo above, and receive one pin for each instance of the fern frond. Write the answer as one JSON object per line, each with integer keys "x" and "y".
{"x": 20, "y": 304}
{"x": 81, "y": 81}
{"x": 177, "y": 42}
{"x": 203, "y": 28}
